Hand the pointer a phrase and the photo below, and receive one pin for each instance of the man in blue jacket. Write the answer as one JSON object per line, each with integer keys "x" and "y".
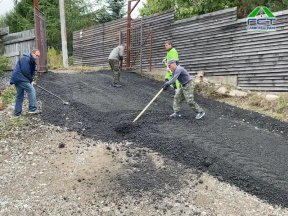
{"x": 186, "y": 91}
{"x": 22, "y": 78}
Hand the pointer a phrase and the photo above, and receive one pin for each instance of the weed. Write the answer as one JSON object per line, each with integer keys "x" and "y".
{"x": 4, "y": 63}
{"x": 8, "y": 95}
{"x": 55, "y": 60}
{"x": 9, "y": 125}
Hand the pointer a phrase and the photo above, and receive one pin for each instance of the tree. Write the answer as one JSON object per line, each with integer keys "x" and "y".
{"x": 188, "y": 8}
{"x": 246, "y": 6}
{"x": 110, "y": 10}
{"x": 116, "y": 8}
{"x": 155, "y": 6}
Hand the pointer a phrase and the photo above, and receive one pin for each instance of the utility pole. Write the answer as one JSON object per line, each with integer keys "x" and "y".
{"x": 63, "y": 33}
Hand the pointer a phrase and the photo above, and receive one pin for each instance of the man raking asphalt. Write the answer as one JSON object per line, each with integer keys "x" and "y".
{"x": 186, "y": 92}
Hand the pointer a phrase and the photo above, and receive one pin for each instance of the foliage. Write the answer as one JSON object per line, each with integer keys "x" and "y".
{"x": 154, "y": 6}
{"x": 9, "y": 95}
{"x": 55, "y": 58}
{"x": 70, "y": 60}
{"x": 110, "y": 10}
{"x": 78, "y": 14}
{"x": 188, "y": 8}
{"x": 4, "y": 63}
{"x": 2, "y": 22}
{"x": 246, "y": 6}
{"x": 22, "y": 18}
{"x": 8, "y": 126}
{"x": 116, "y": 8}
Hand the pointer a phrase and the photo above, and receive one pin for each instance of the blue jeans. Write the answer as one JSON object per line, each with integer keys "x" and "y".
{"x": 20, "y": 88}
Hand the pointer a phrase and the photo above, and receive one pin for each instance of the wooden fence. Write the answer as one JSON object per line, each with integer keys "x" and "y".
{"x": 216, "y": 43}
{"x": 16, "y": 44}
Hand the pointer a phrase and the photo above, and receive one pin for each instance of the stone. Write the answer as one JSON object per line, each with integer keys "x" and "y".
{"x": 237, "y": 93}
{"x": 271, "y": 97}
{"x": 222, "y": 90}
{"x": 199, "y": 77}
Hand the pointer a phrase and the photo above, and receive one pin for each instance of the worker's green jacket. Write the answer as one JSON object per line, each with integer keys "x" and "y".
{"x": 172, "y": 54}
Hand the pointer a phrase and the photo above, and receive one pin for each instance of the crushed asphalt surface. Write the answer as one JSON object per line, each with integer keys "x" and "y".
{"x": 240, "y": 147}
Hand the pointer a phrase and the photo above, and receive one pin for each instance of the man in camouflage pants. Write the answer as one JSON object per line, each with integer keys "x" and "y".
{"x": 186, "y": 91}
{"x": 116, "y": 56}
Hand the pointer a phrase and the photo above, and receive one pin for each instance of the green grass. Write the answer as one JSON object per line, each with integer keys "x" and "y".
{"x": 9, "y": 125}
{"x": 55, "y": 60}
{"x": 9, "y": 95}
{"x": 277, "y": 109}
{"x": 4, "y": 63}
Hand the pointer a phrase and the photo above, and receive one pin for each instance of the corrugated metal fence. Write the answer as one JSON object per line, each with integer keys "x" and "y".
{"x": 216, "y": 43}
{"x": 219, "y": 44}
{"x": 93, "y": 45}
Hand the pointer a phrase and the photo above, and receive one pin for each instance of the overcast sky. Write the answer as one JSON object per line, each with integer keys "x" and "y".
{"x": 7, "y": 5}
{"x": 135, "y": 12}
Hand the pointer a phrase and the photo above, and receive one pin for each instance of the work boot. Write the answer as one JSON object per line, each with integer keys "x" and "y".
{"x": 175, "y": 115}
{"x": 200, "y": 115}
{"x": 116, "y": 85}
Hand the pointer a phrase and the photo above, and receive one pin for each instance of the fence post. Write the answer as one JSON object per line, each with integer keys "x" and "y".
{"x": 141, "y": 44}
{"x": 150, "y": 54}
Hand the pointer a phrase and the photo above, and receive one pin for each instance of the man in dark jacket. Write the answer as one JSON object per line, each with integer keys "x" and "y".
{"x": 22, "y": 78}
{"x": 186, "y": 91}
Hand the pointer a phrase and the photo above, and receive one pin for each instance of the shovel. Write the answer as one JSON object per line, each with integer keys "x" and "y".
{"x": 141, "y": 113}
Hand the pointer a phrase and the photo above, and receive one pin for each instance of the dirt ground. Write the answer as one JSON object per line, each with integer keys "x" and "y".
{"x": 71, "y": 161}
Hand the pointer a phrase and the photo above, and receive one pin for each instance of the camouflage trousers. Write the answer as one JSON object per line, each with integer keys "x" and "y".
{"x": 186, "y": 93}
{"x": 114, "y": 64}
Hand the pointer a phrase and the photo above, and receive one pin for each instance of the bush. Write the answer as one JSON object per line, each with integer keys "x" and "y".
{"x": 4, "y": 63}
{"x": 9, "y": 95}
{"x": 55, "y": 60}
{"x": 70, "y": 60}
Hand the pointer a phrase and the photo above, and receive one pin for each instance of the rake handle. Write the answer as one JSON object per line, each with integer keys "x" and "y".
{"x": 141, "y": 113}
{"x": 50, "y": 92}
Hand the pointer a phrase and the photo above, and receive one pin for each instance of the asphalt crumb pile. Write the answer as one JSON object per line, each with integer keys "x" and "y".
{"x": 240, "y": 147}
{"x": 126, "y": 127}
